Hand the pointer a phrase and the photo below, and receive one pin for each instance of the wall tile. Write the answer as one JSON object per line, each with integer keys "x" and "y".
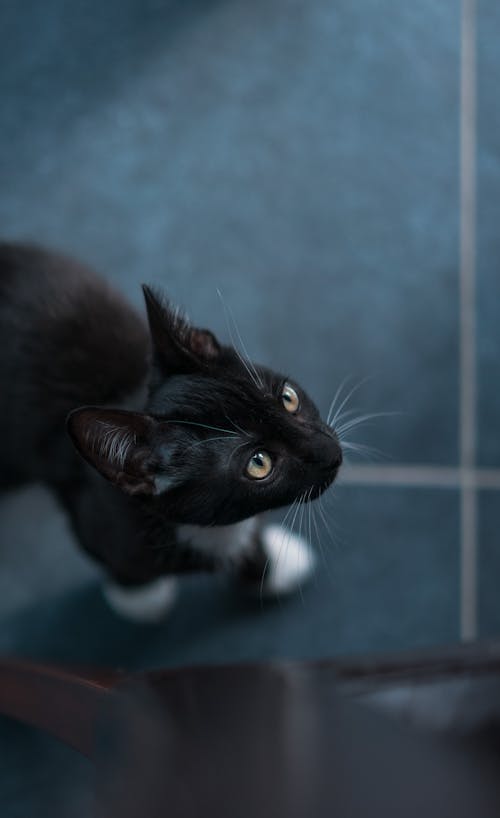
{"x": 488, "y": 233}
{"x": 389, "y": 580}
{"x": 489, "y": 563}
{"x": 302, "y": 157}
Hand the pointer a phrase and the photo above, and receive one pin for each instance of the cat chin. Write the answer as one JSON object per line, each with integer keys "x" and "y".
{"x": 147, "y": 604}
{"x": 291, "y": 560}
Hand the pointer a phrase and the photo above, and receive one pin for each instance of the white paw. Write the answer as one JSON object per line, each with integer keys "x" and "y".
{"x": 291, "y": 560}
{"x": 147, "y": 604}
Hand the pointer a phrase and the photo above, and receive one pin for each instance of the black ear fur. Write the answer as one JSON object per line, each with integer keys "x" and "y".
{"x": 178, "y": 346}
{"x": 118, "y": 443}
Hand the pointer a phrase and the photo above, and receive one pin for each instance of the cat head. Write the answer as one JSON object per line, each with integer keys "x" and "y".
{"x": 220, "y": 438}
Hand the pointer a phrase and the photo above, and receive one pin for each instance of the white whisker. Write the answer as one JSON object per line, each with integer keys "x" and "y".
{"x": 352, "y": 424}
{"x": 282, "y": 525}
{"x": 202, "y": 426}
{"x": 292, "y": 526}
{"x": 335, "y": 398}
{"x": 320, "y": 542}
{"x": 206, "y": 440}
{"x": 354, "y": 389}
{"x": 366, "y": 451}
{"x": 238, "y": 428}
{"x": 347, "y": 413}
{"x": 324, "y": 520}
{"x": 297, "y": 555}
{"x": 237, "y": 449}
{"x": 247, "y": 363}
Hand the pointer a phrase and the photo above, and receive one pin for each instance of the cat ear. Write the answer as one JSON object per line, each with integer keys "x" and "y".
{"x": 178, "y": 346}
{"x": 119, "y": 444}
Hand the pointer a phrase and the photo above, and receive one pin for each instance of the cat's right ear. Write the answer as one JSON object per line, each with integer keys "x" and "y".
{"x": 119, "y": 444}
{"x": 178, "y": 346}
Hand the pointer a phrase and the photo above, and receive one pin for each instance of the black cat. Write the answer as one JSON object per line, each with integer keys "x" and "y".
{"x": 181, "y": 441}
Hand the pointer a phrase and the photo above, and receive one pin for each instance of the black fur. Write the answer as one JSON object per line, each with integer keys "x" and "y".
{"x": 70, "y": 347}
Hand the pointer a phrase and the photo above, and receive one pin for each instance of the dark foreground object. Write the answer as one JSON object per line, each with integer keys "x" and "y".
{"x": 279, "y": 740}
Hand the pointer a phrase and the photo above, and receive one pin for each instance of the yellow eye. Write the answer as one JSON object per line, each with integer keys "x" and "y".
{"x": 259, "y": 466}
{"x": 290, "y": 399}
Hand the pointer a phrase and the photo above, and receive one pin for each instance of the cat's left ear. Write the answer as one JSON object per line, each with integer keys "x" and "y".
{"x": 119, "y": 444}
{"x": 179, "y": 347}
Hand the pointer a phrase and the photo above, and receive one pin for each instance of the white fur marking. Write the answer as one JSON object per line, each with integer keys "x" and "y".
{"x": 163, "y": 483}
{"x": 223, "y": 541}
{"x": 148, "y": 604}
{"x": 291, "y": 560}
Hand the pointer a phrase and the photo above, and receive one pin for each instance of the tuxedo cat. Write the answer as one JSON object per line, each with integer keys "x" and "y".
{"x": 163, "y": 445}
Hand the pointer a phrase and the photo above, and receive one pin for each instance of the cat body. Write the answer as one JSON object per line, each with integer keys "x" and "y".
{"x": 162, "y": 445}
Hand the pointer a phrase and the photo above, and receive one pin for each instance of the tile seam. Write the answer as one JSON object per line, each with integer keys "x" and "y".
{"x": 426, "y": 476}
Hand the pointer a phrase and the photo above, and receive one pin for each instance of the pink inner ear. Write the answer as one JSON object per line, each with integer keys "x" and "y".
{"x": 203, "y": 344}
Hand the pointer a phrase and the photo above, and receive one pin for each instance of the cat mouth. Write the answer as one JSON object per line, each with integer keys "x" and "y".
{"x": 319, "y": 489}
{"x": 327, "y": 471}
{"x": 332, "y": 469}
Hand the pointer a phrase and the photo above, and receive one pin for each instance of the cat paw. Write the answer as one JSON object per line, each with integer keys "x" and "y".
{"x": 290, "y": 563}
{"x": 147, "y": 604}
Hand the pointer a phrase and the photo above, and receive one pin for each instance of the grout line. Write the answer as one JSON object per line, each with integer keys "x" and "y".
{"x": 402, "y": 475}
{"x": 468, "y": 584}
{"x": 487, "y": 478}
{"x": 468, "y": 528}
{"x": 424, "y": 476}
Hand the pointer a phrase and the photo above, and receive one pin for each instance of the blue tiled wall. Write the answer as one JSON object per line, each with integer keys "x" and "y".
{"x": 303, "y": 158}
{"x": 488, "y": 233}
{"x": 488, "y": 312}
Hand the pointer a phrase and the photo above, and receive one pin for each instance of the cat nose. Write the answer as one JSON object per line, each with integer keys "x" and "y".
{"x": 328, "y": 452}
{"x": 338, "y": 457}
{"x": 333, "y": 454}
{"x": 335, "y": 457}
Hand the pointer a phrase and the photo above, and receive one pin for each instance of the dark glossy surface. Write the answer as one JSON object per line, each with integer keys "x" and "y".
{"x": 42, "y": 778}
{"x": 274, "y": 740}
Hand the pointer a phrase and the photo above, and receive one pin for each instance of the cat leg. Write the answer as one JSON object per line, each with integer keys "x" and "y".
{"x": 279, "y": 562}
{"x": 148, "y": 604}
{"x": 271, "y": 558}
